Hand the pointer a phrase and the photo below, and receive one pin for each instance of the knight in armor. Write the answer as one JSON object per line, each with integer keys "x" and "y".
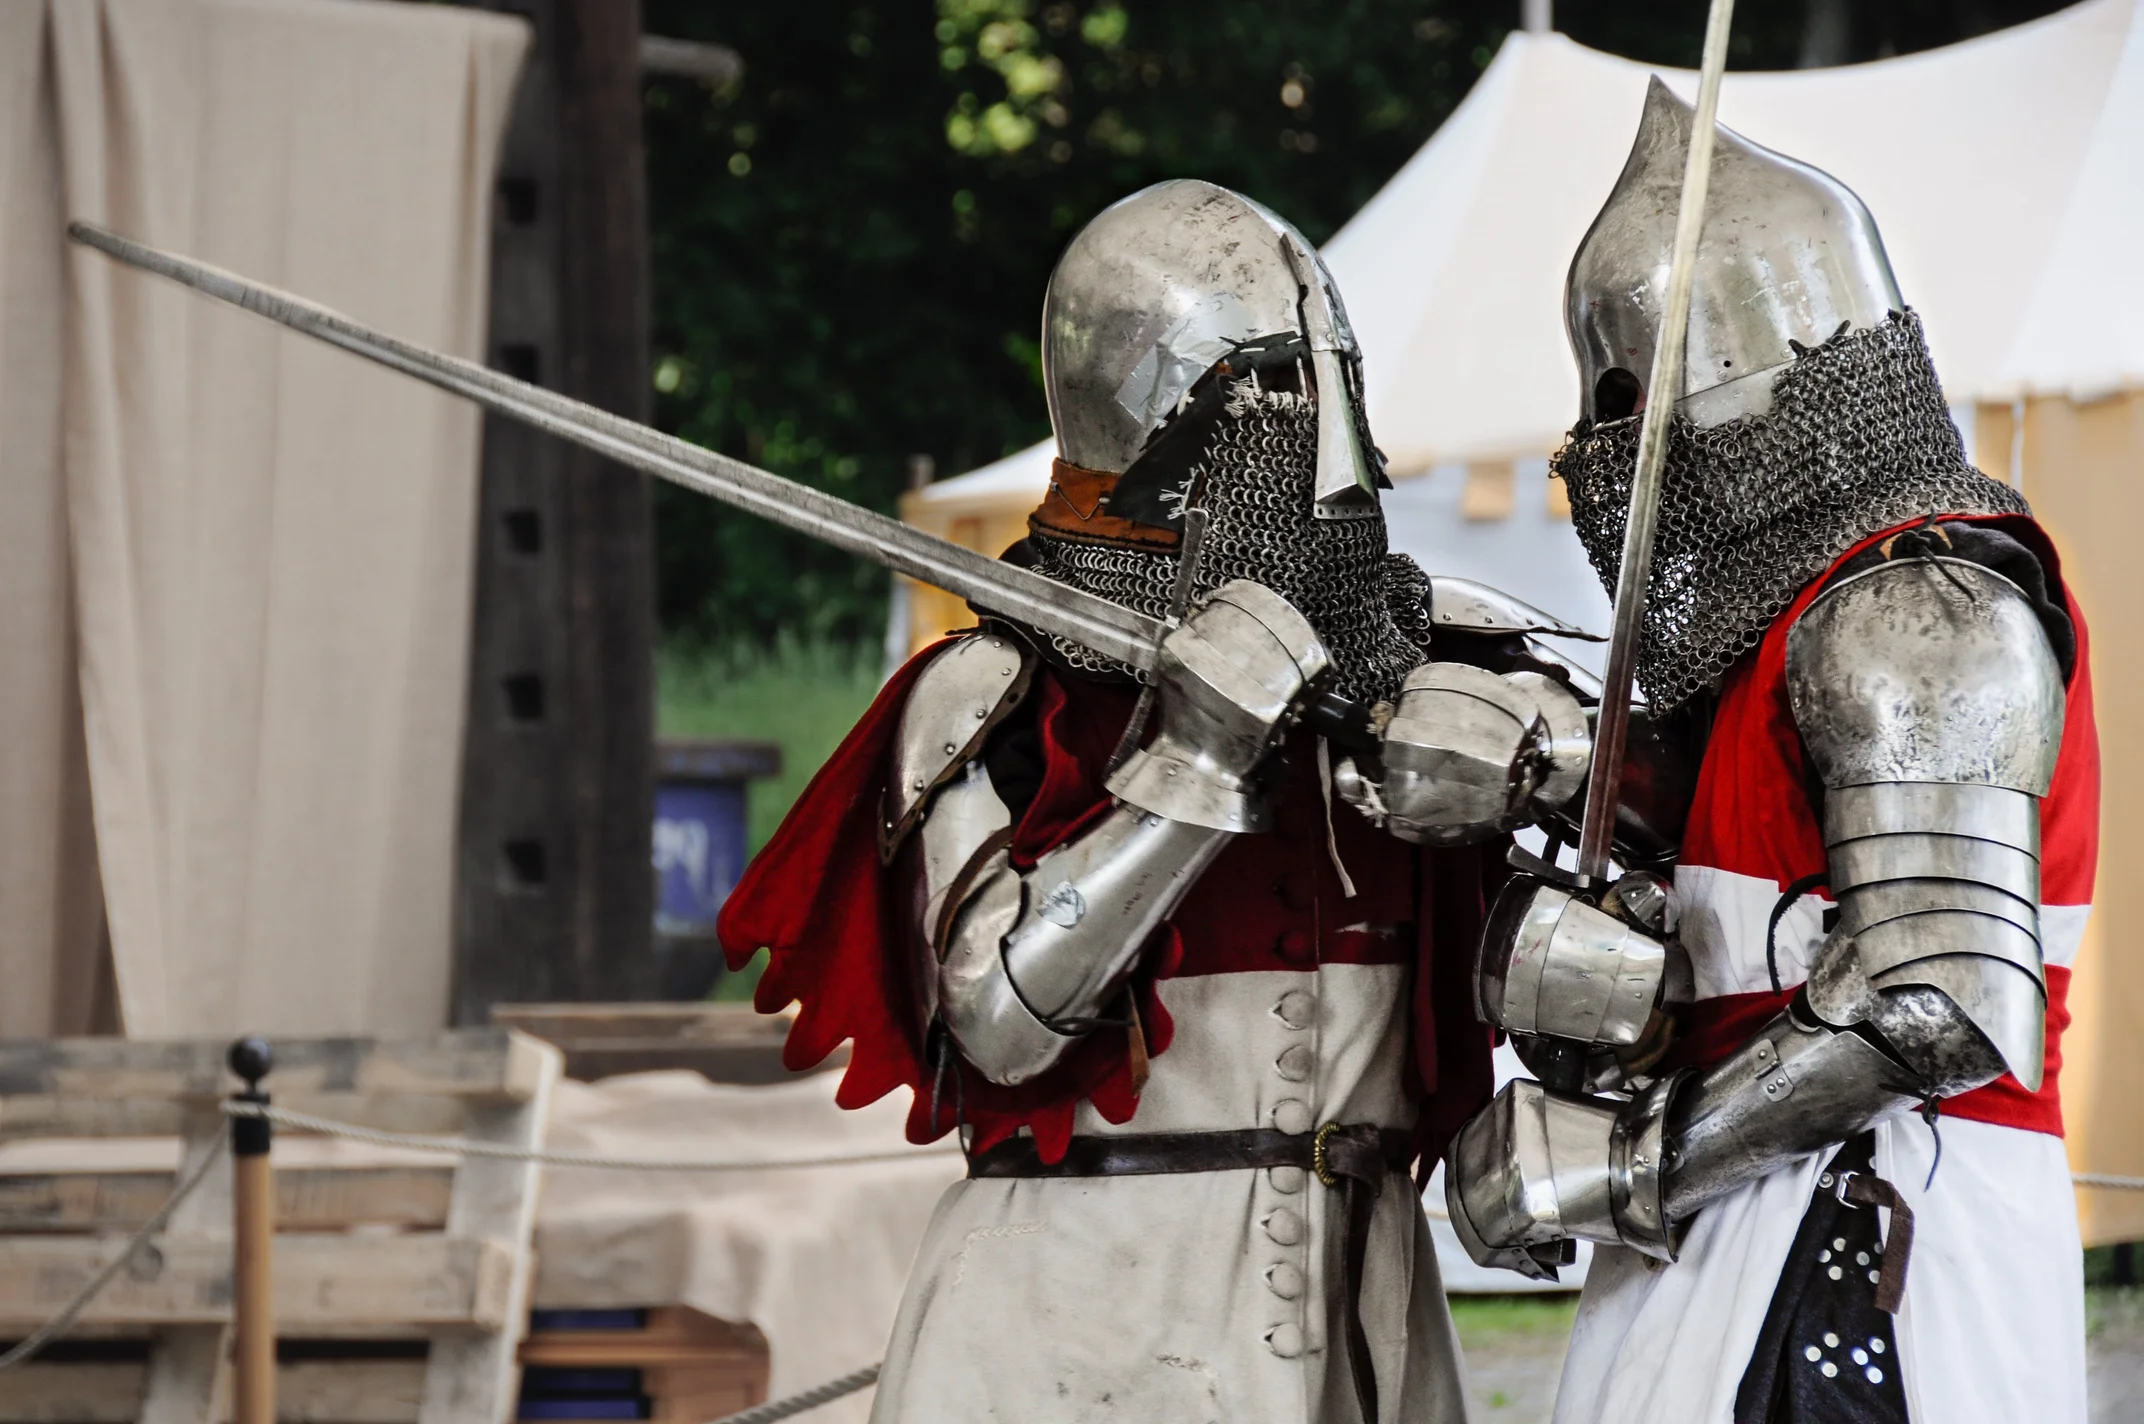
{"x": 1193, "y": 1017}
{"x": 1816, "y": 1128}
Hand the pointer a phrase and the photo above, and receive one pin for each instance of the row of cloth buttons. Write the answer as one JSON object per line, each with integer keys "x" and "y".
{"x": 1284, "y": 1225}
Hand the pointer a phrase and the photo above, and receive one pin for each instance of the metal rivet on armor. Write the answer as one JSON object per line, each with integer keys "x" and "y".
{"x": 1285, "y": 1180}
{"x": 1831, "y": 1340}
{"x": 1861, "y": 1258}
{"x": 1812, "y": 1354}
{"x": 950, "y": 749}
{"x": 1294, "y": 1063}
{"x": 1861, "y": 1356}
{"x": 981, "y": 713}
{"x": 1282, "y": 1226}
{"x": 1875, "y": 1375}
{"x": 1829, "y": 1369}
{"x": 1876, "y": 1344}
{"x": 1284, "y": 1280}
{"x": 1291, "y": 1115}
{"x": 1838, "y": 1243}
{"x": 917, "y": 783}
{"x": 1835, "y": 1273}
{"x": 1285, "y": 1340}
{"x": 1823, "y": 1256}
{"x": 1874, "y": 1277}
{"x": 1825, "y": 1180}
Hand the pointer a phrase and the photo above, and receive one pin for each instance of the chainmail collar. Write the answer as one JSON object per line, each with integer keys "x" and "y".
{"x": 1259, "y": 468}
{"x": 1858, "y": 440}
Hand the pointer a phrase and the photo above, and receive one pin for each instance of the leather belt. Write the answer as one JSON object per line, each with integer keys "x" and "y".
{"x": 1353, "y": 1159}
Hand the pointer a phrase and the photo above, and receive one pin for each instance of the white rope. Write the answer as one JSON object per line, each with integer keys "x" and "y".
{"x": 2110, "y": 1182}
{"x": 59, "y": 1324}
{"x": 811, "y": 1398}
{"x": 463, "y": 1147}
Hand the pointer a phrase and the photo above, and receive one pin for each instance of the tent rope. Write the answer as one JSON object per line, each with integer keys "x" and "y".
{"x": 464, "y": 1147}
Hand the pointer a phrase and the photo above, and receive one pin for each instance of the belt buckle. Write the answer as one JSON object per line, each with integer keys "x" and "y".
{"x": 1839, "y": 1183}
{"x": 1317, "y": 1154}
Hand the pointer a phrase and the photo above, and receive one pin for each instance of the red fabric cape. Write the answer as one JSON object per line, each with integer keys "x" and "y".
{"x": 818, "y": 899}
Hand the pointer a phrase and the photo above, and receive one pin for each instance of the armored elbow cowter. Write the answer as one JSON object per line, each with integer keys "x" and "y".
{"x": 1931, "y": 706}
{"x": 1019, "y": 965}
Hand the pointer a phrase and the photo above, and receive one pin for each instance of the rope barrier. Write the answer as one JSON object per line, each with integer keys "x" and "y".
{"x": 811, "y": 1398}
{"x": 59, "y": 1324}
{"x": 2108, "y": 1181}
{"x": 463, "y": 1147}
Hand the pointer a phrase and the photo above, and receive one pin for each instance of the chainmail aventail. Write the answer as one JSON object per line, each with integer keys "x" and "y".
{"x": 1259, "y": 472}
{"x": 1858, "y": 440}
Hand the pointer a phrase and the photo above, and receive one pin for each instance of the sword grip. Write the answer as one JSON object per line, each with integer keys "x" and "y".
{"x": 1343, "y": 722}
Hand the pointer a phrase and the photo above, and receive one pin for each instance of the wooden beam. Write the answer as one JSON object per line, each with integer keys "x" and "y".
{"x": 341, "y": 1391}
{"x": 325, "y": 1285}
{"x": 188, "y": 1380}
{"x": 468, "y": 1063}
{"x": 475, "y": 1377}
{"x": 555, "y": 900}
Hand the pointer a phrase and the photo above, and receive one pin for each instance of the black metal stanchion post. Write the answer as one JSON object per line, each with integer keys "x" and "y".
{"x": 253, "y": 1278}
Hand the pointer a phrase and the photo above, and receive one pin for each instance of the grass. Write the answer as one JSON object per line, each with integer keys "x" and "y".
{"x": 804, "y": 696}
{"x": 1483, "y": 1318}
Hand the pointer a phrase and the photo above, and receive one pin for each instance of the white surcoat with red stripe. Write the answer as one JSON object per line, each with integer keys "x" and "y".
{"x": 1992, "y": 1326}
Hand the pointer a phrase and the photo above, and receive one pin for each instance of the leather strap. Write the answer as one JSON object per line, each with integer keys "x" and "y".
{"x": 1868, "y": 1189}
{"x": 1352, "y": 1159}
{"x": 1148, "y": 1154}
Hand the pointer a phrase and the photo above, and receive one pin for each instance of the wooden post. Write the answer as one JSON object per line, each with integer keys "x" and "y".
{"x": 555, "y": 895}
{"x": 253, "y": 1247}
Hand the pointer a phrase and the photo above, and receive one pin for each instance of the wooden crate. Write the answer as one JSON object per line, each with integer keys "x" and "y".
{"x": 725, "y": 1043}
{"x": 687, "y": 1367}
{"x": 401, "y": 1284}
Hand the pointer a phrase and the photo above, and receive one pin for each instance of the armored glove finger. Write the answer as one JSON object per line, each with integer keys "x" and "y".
{"x": 1469, "y": 754}
{"x": 1231, "y": 680}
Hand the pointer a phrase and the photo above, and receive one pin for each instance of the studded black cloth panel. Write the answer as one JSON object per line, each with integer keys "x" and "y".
{"x": 1826, "y": 1354}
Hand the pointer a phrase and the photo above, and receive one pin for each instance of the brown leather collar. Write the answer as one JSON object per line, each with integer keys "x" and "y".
{"x": 1075, "y": 509}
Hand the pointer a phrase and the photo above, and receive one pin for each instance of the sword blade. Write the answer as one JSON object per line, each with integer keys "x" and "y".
{"x": 1015, "y": 593}
{"x": 1605, "y": 779}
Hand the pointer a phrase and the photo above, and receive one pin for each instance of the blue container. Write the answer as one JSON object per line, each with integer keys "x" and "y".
{"x": 700, "y": 843}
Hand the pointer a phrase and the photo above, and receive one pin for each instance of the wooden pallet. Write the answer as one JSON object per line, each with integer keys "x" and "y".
{"x": 684, "y": 1366}
{"x": 401, "y": 1290}
{"x": 725, "y": 1043}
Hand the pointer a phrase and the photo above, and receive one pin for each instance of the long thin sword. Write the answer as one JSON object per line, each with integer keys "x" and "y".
{"x": 1606, "y": 778}
{"x": 1015, "y": 593}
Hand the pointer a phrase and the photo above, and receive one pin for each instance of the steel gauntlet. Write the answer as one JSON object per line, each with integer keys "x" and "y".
{"x": 1231, "y": 679}
{"x": 1468, "y": 754}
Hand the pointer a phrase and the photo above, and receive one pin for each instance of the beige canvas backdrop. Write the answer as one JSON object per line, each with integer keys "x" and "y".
{"x": 235, "y": 565}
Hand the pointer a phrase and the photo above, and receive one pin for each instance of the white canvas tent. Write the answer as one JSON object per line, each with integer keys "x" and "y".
{"x": 2007, "y": 174}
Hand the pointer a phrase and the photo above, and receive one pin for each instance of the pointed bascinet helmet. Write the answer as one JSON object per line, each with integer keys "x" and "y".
{"x": 1788, "y": 254}
{"x": 1196, "y": 354}
{"x": 1810, "y": 414}
{"x": 1165, "y": 285}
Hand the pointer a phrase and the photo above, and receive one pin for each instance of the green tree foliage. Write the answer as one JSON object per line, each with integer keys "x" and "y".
{"x": 850, "y": 244}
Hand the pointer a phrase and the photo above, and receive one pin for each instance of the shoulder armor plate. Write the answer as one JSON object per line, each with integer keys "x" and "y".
{"x": 1926, "y": 670}
{"x": 966, "y": 691}
{"x": 1471, "y": 607}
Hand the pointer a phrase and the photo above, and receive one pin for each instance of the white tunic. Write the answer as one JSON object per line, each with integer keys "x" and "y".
{"x": 1992, "y": 1326}
{"x": 1193, "y": 1298}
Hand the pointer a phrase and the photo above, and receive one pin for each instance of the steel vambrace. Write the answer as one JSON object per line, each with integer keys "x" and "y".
{"x": 1021, "y": 965}
{"x": 1931, "y": 706}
